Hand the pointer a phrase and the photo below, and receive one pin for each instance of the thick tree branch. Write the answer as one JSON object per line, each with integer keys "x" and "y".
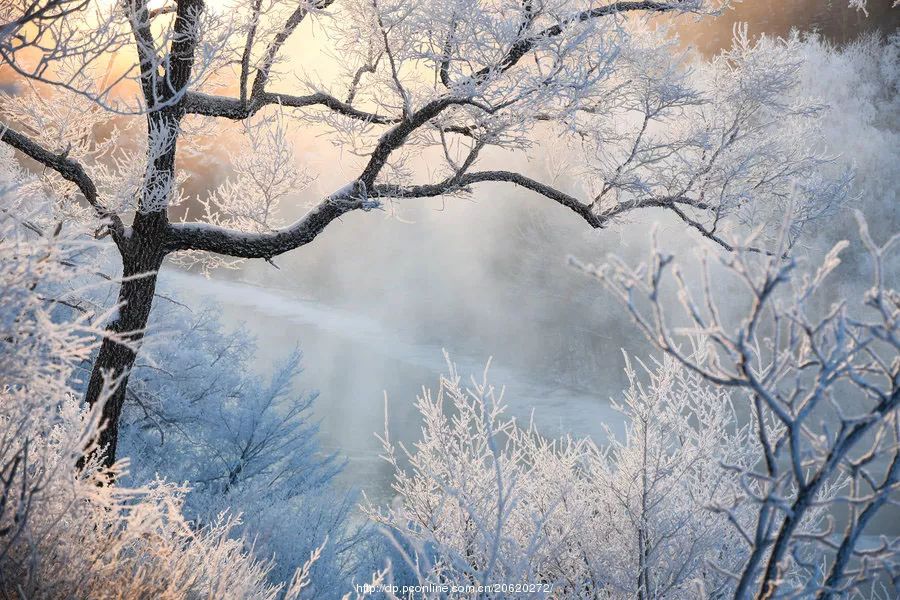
{"x": 201, "y": 236}
{"x": 139, "y": 18}
{"x": 210, "y": 238}
{"x": 70, "y": 170}
{"x": 460, "y": 182}
{"x": 444, "y": 70}
{"x": 586, "y": 211}
{"x": 163, "y": 122}
{"x": 371, "y": 67}
{"x": 397, "y": 135}
{"x": 232, "y": 108}
{"x": 248, "y": 49}
{"x": 184, "y": 43}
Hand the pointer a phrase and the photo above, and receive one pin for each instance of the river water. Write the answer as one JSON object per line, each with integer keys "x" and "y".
{"x": 355, "y": 362}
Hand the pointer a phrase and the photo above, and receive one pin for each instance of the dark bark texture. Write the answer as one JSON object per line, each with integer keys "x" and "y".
{"x": 118, "y": 352}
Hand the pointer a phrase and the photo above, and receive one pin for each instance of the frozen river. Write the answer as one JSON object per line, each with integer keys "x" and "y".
{"x": 354, "y": 360}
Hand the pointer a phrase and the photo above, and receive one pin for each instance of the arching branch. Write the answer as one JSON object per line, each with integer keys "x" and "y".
{"x": 220, "y": 240}
{"x": 68, "y": 169}
{"x": 233, "y": 108}
{"x": 522, "y": 47}
{"x": 460, "y": 182}
{"x": 356, "y": 196}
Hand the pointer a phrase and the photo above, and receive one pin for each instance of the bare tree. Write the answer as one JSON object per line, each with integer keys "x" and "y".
{"x": 449, "y": 80}
{"x": 823, "y": 387}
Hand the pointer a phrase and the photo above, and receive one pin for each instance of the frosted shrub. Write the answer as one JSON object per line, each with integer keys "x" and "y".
{"x": 822, "y": 380}
{"x": 487, "y": 501}
{"x": 65, "y": 532}
{"x": 858, "y": 85}
{"x": 245, "y": 442}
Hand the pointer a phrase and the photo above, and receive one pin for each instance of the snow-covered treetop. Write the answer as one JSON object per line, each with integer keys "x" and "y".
{"x": 420, "y": 96}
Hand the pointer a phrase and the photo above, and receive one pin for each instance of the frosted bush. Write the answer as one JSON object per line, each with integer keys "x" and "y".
{"x": 199, "y": 411}
{"x": 67, "y": 532}
{"x": 246, "y": 447}
{"x": 487, "y": 501}
{"x": 822, "y": 381}
{"x": 858, "y": 83}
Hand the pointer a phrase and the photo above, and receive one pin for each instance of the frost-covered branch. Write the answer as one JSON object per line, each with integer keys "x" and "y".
{"x": 232, "y": 108}
{"x": 720, "y": 144}
{"x": 824, "y": 389}
{"x": 209, "y": 238}
{"x": 485, "y": 499}
{"x": 70, "y": 170}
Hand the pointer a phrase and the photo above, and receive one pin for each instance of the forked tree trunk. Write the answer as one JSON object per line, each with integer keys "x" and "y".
{"x": 117, "y": 353}
{"x": 143, "y": 249}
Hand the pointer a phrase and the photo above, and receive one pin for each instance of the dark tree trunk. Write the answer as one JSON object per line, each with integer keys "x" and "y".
{"x": 144, "y": 246}
{"x": 142, "y": 257}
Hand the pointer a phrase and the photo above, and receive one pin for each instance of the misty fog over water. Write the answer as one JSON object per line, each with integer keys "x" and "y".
{"x": 353, "y": 359}
{"x": 376, "y": 298}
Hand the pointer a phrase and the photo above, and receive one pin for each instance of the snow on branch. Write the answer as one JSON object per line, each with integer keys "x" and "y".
{"x": 69, "y": 170}
{"x": 488, "y": 500}
{"x": 822, "y": 385}
{"x": 643, "y": 125}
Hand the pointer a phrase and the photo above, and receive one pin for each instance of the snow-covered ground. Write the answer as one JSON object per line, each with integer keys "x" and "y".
{"x": 354, "y": 360}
